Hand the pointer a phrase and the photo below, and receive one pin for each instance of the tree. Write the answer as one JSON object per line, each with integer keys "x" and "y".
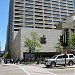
{"x": 6, "y": 55}
{"x": 72, "y": 40}
{"x": 58, "y": 47}
{"x": 32, "y": 43}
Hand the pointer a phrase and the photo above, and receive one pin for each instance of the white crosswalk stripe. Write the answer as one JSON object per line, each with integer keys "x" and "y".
{"x": 31, "y": 70}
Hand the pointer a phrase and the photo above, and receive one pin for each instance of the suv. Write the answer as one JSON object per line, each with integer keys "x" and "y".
{"x": 60, "y": 60}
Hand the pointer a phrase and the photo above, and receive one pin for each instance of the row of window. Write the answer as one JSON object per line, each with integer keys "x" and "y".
{"x": 45, "y": 2}
{"x": 47, "y": 22}
{"x": 32, "y": 27}
{"x": 46, "y": 15}
{"x": 45, "y": 10}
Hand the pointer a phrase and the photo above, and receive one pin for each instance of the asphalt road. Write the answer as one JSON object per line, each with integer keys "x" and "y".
{"x": 12, "y": 69}
{"x": 59, "y": 70}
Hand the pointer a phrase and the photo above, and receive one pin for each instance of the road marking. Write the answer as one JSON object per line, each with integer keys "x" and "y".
{"x": 48, "y": 72}
{"x": 24, "y": 70}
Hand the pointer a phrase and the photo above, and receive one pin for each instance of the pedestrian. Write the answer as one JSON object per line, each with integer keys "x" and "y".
{"x": 2, "y": 61}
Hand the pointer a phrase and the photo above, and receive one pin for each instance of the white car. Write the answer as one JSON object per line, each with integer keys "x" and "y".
{"x": 60, "y": 60}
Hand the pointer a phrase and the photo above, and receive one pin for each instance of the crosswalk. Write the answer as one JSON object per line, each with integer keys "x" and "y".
{"x": 21, "y": 69}
{"x": 31, "y": 70}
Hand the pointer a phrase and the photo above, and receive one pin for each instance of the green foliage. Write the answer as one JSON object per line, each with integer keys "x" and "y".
{"x": 59, "y": 48}
{"x": 72, "y": 40}
{"x": 6, "y": 55}
{"x": 32, "y": 43}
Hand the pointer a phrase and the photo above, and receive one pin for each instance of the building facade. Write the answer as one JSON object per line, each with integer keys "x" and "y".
{"x": 74, "y": 5}
{"x": 43, "y": 14}
{"x": 40, "y": 13}
{"x": 46, "y": 50}
{"x": 69, "y": 24}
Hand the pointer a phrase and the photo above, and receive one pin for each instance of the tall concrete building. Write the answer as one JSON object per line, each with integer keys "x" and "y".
{"x": 74, "y": 5}
{"x": 36, "y": 14}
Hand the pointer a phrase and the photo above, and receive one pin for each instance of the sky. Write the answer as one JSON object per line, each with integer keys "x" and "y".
{"x": 4, "y": 9}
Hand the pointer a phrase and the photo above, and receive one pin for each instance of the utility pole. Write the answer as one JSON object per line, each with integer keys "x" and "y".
{"x": 64, "y": 39}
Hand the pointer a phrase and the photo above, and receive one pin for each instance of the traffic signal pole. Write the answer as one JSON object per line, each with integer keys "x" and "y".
{"x": 64, "y": 39}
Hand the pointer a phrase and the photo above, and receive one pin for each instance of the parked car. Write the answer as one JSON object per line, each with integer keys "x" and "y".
{"x": 60, "y": 60}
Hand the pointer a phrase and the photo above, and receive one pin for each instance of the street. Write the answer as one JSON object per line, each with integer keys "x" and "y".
{"x": 60, "y": 70}
{"x": 34, "y": 69}
{"x": 11, "y": 69}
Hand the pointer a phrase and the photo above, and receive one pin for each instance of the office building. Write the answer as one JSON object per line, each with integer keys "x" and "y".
{"x": 43, "y": 14}
{"x": 38, "y": 13}
{"x": 74, "y": 5}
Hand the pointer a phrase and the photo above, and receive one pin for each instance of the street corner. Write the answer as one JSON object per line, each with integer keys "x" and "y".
{"x": 9, "y": 64}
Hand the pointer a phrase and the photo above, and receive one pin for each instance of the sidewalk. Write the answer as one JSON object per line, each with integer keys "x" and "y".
{"x": 39, "y": 65}
{"x": 9, "y": 64}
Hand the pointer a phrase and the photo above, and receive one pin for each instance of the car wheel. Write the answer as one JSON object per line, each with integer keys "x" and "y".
{"x": 70, "y": 63}
{"x": 53, "y": 64}
{"x": 47, "y": 65}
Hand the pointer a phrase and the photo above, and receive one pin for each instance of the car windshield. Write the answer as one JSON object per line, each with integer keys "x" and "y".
{"x": 54, "y": 57}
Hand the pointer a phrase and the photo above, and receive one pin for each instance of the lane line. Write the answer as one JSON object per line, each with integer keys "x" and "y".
{"x": 36, "y": 68}
{"x": 46, "y": 71}
{"x": 24, "y": 70}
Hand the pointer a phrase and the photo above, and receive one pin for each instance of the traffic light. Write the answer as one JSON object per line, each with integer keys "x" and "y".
{"x": 43, "y": 40}
{"x": 61, "y": 39}
{"x": 67, "y": 37}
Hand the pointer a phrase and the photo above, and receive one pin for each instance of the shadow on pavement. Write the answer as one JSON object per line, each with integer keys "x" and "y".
{"x": 60, "y": 67}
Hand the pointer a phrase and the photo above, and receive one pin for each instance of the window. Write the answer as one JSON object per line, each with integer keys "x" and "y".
{"x": 70, "y": 56}
{"x": 62, "y": 56}
{"x": 28, "y": 23}
{"x": 28, "y": 14}
{"x": 28, "y": 0}
{"x": 54, "y": 57}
